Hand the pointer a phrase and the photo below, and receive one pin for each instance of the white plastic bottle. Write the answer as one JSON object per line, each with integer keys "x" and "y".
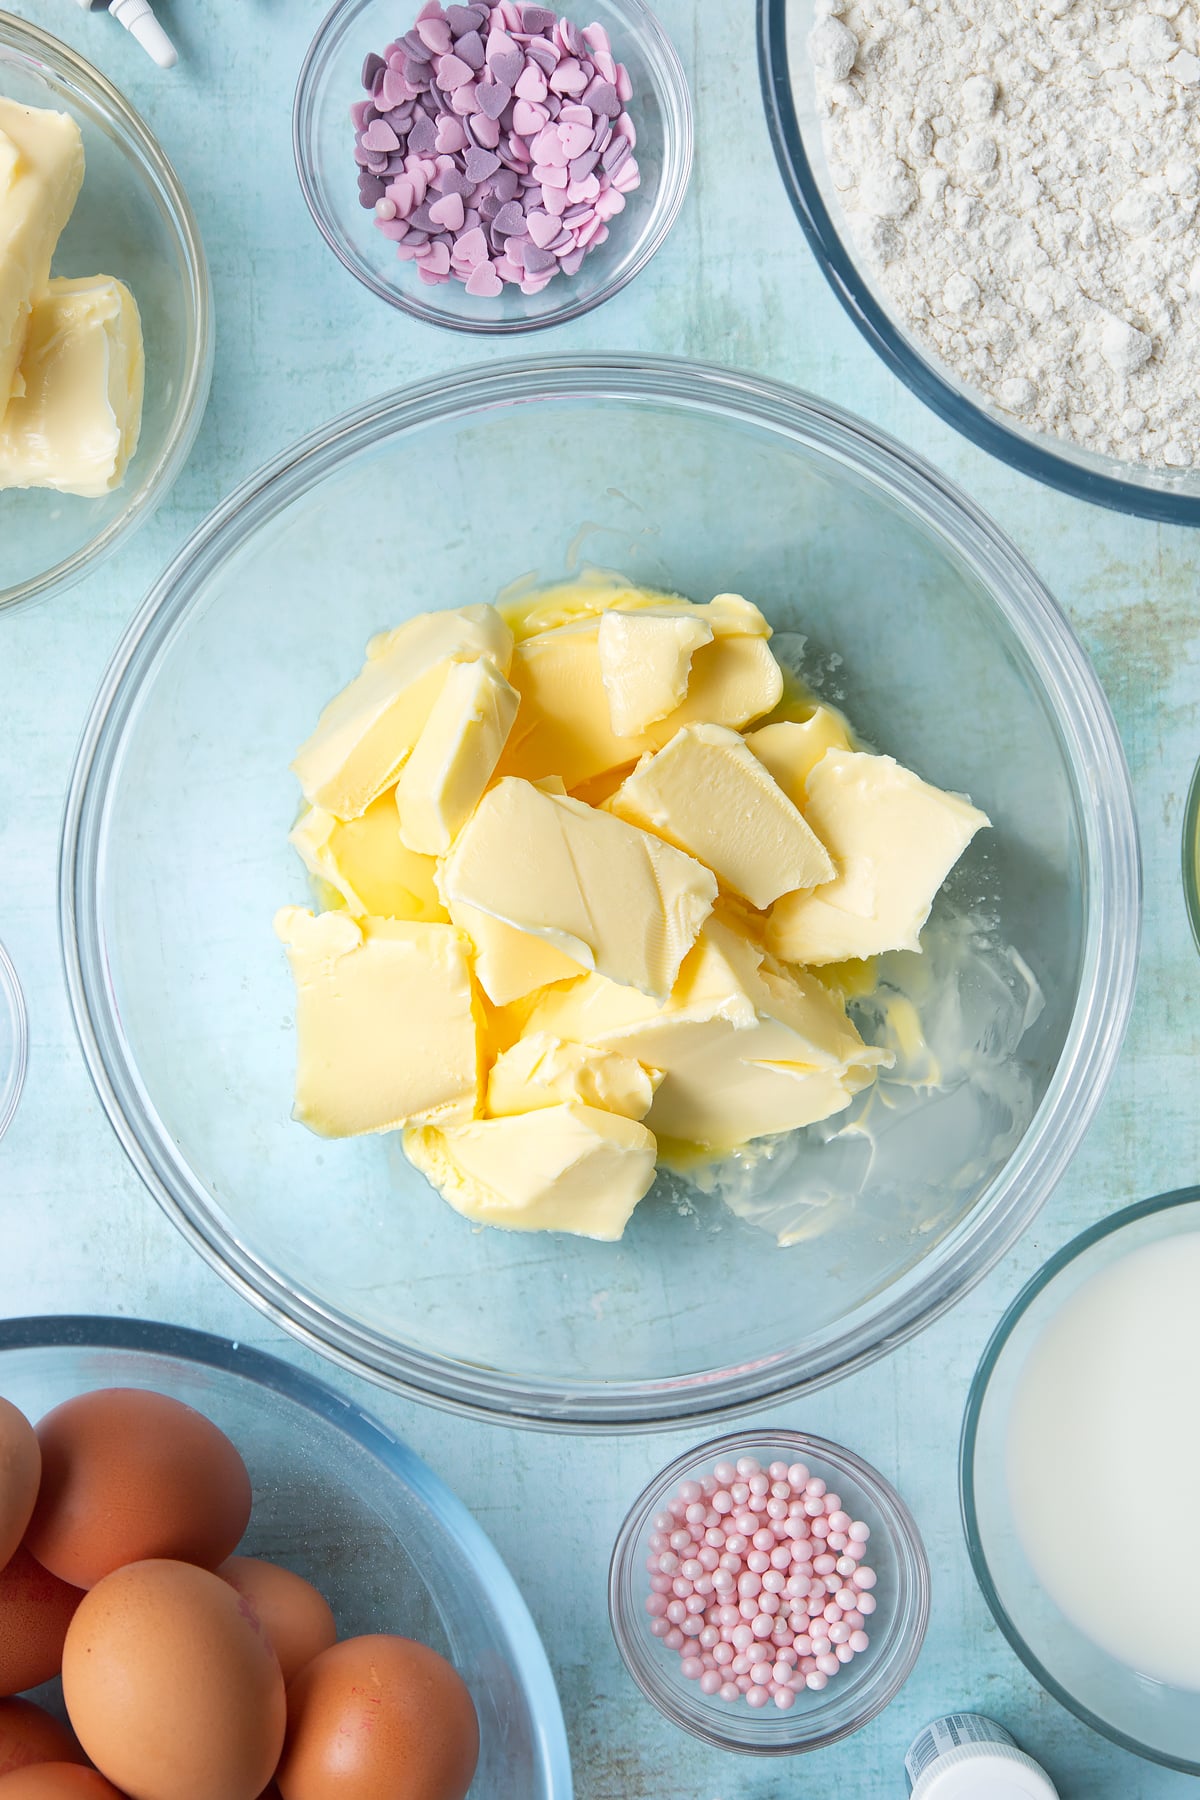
{"x": 964, "y": 1756}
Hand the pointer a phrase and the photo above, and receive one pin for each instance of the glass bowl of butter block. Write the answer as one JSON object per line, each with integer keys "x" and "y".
{"x": 892, "y": 597}
{"x": 133, "y": 224}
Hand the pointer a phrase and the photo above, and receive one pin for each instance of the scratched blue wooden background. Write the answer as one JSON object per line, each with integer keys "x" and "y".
{"x": 735, "y": 283}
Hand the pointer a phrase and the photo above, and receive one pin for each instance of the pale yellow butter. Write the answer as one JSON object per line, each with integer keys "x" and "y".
{"x": 365, "y": 863}
{"x": 746, "y": 1048}
{"x": 540, "y": 1070}
{"x": 893, "y": 838}
{"x": 365, "y": 734}
{"x": 706, "y": 793}
{"x": 609, "y": 896}
{"x": 645, "y": 662}
{"x": 41, "y": 173}
{"x": 565, "y": 727}
{"x": 75, "y": 426}
{"x": 566, "y": 1168}
{"x": 455, "y": 755}
{"x": 386, "y": 1023}
{"x": 791, "y": 749}
{"x": 509, "y": 963}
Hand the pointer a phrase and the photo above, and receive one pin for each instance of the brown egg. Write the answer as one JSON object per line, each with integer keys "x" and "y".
{"x": 57, "y": 1781}
{"x": 294, "y": 1616}
{"x": 29, "y": 1735}
{"x": 129, "y": 1476}
{"x": 35, "y": 1610}
{"x": 20, "y": 1472}
{"x": 377, "y": 1717}
{"x": 172, "y": 1686}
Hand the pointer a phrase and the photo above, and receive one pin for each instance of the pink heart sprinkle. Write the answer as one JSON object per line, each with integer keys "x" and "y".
{"x": 463, "y": 99}
{"x": 531, "y": 85}
{"x": 471, "y": 248}
{"x": 380, "y": 138}
{"x": 575, "y": 139}
{"x": 483, "y": 282}
{"x": 554, "y": 200}
{"x": 572, "y": 114}
{"x": 402, "y": 194}
{"x": 487, "y": 131}
{"x": 437, "y": 258}
{"x": 453, "y": 72}
{"x": 569, "y": 77}
{"x": 582, "y": 193}
{"x": 542, "y": 228}
{"x": 451, "y": 135}
{"x": 434, "y": 33}
{"x": 449, "y": 211}
{"x": 528, "y": 119}
{"x": 549, "y": 176}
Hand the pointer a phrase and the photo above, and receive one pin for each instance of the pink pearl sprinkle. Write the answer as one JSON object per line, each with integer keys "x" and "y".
{"x": 866, "y": 1604}
{"x": 858, "y": 1641}
{"x": 784, "y": 1697}
{"x": 757, "y": 1696}
{"x": 858, "y": 1533}
{"x": 863, "y": 1578}
{"x": 710, "y": 1682}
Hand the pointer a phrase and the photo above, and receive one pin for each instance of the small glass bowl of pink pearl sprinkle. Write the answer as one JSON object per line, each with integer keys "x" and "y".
{"x": 491, "y": 165}
{"x": 769, "y": 1592}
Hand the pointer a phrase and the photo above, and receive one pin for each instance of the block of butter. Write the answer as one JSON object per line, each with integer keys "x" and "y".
{"x": 747, "y": 1049}
{"x": 565, "y": 725}
{"x": 453, "y": 760}
{"x": 366, "y": 733}
{"x": 75, "y": 426}
{"x": 539, "y": 1070}
{"x": 607, "y": 895}
{"x": 563, "y": 1168}
{"x": 386, "y": 1023}
{"x": 41, "y": 173}
{"x": 364, "y": 864}
{"x": 894, "y": 840}
{"x": 706, "y": 793}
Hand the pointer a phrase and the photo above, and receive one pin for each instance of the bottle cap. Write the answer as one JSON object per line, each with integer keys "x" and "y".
{"x": 137, "y": 16}
{"x": 965, "y": 1756}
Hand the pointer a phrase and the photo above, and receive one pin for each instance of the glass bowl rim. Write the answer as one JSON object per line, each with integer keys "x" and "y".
{"x": 977, "y": 1394}
{"x": 67, "y": 64}
{"x": 902, "y": 1526}
{"x": 12, "y": 1002}
{"x": 960, "y": 411}
{"x": 1191, "y": 851}
{"x": 1106, "y": 980}
{"x": 81, "y": 1331}
{"x": 679, "y": 139}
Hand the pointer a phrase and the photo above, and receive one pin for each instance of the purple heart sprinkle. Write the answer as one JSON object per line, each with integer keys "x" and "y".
{"x": 582, "y": 166}
{"x": 543, "y": 54}
{"x": 418, "y": 50}
{"x": 537, "y": 19}
{"x": 506, "y": 184}
{"x": 510, "y": 220}
{"x": 506, "y": 66}
{"x": 536, "y": 260}
{"x": 469, "y": 48}
{"x": 480, "y": 163}
{"x": 488, "y": 206}
{"x": 373, "y": 66}
{"x": 420, "y": 217}
{"x": 370, "y": 189}
{"x": 422, "y": 139}
{"x": 574, "y": 39}
{"x": 492, "y": 97}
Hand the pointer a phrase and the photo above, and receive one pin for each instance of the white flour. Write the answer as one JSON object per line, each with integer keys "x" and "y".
{"x": 1023, "y": 177}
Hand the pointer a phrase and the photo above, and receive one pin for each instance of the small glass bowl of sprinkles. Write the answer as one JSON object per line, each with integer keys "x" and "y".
{"x": 493, "y": 166}
{"x": 769, "y": 1592}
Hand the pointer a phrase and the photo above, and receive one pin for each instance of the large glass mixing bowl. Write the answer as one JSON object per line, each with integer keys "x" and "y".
{"x": 175, "y": 856}
{"x": 789, "y": 94}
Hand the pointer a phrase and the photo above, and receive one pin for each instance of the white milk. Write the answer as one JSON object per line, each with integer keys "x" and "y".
{"x": 1104, "y": 1459}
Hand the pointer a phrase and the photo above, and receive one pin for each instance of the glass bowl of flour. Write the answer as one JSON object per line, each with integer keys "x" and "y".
{"x": 1007, "y": 202}
{"x": 1083, "y": 1397}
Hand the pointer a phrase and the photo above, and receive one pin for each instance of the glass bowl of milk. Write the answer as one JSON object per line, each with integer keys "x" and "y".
{"x": 1080, "y": 1472}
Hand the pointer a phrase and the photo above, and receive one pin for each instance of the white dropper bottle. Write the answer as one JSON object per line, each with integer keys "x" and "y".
{"x": 965, "y": 1756}
{"x": 137, "y": 16}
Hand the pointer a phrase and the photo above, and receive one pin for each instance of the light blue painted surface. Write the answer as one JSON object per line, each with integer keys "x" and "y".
{"x": 297, "y": 342}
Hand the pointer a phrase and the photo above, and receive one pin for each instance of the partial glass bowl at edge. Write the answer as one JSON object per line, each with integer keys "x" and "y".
{"x": 14, "y": 1041}
{"x": 1147, "y": 1716}
{"x": 942, "y": 646}
{"x": 661, "y": 108}
{"x": 134, "y": 221}
{"x": 344, "y": 1503}
{"x": 789, "y": 95}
